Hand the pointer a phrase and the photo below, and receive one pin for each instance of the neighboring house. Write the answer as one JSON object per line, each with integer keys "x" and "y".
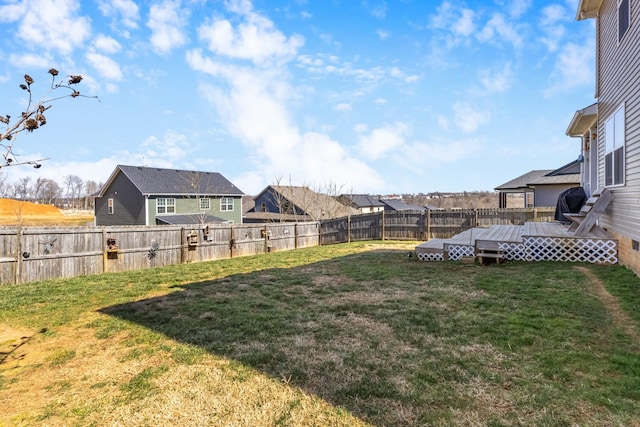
{"x": 363, "y": 202}
{"x": 293, "y": 203}
{"x": 610, "y": 131}
{"x": 136, "y": 195}
{"x": 541, "y": 188}
{"x": 399, "y": 205}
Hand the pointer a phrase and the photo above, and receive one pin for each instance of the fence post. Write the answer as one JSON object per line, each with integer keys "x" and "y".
{"x": 295, "y": 235}
{"x": 104, "y": 250}
{"x": 183, "y": 245}
{"x": 428, "y": 236}
{"x": 382, "y": 229}
{"x": 348, "y": 228}
{"x": 19, "y": 246}
{"x": 232, "y": 242}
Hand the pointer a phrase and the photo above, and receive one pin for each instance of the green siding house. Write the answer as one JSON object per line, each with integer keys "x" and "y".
{"x": 136, "y": 195}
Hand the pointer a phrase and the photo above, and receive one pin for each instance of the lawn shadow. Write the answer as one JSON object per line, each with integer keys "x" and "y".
{"x": 319, "y": 327}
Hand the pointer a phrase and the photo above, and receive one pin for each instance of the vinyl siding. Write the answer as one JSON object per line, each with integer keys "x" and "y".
{"x": 190, "y": 205}
{"x": 547, "y": 195}
{"x": 128, "y": 204}
{"x": 618, "y": 84}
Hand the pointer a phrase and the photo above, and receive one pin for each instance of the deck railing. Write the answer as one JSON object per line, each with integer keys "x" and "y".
{"x": 419, "y": 225}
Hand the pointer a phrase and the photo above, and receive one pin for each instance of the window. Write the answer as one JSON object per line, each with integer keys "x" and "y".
{"x": 165, "y": 205}
{"x": 205, "y": 204}
{"x": 226, "y": 204}
{"x": 263, "y": 207}
{"x": 624, "y": 17}
{"x": 110, "y": 206}
{"x": 614, "y": 136}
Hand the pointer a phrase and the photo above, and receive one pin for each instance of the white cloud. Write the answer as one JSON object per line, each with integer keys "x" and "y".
{"x": 30, "y": 60}
{"x": 253, "y": 106}
{"x": 106, "y": 44}
{"x": 496, "y": 81}
{"x": 126, "y": 9}
{"x": 241, "y": 7}
{"x": 459, "y": 21}
{"x": 550, "y": 26}
{"x": 443, "y": 122}
{"x": 167, "y": 22}
{"x": 379, "y": 142}
{"x": 255, "y": 39}
{"x": 421, "y": 156}
{"x": 573, "y": 68}
{"x": 105, "y": 66}
{"x": 467, "y": 118}
{"x": 165, "y": 151}
{"x": 517, "y": 8}
{"x": 378, "y": 11}
{"x": 382, "y": 34}
{"x": 499, "y": 28}
{"x": 49, "y": 24}
{"x": 343, "y": 107}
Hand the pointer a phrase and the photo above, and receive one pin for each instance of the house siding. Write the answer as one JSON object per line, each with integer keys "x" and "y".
{"x": 547, "y": 195}
{"x": 128, "y": 204}
{"x": 190, "y": 206}
{"x": 618, "y": 84}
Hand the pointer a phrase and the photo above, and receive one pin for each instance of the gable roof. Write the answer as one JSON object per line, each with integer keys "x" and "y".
{"x": 175, "y": 182}
{"x": 316, "y": 205}
{"x": 399, "y": 205}
{"x": 363, "y": 200}
{"x": 583, "y": 120}
{"x": 520, "y": 183}
{"x": 567, "y": 174}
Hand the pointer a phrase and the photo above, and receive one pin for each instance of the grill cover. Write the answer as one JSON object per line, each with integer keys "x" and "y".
{"x": 569, "y": 201}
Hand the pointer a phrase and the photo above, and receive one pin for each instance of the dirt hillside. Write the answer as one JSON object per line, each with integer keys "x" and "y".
{"x": 16, "y": 208}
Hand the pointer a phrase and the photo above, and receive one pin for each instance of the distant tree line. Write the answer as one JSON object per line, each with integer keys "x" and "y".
{"x": 72, "y": 193}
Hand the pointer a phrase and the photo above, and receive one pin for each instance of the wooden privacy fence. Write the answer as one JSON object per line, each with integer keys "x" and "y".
{"x": 31, "y": 253}
{"x": 417, "y": 225}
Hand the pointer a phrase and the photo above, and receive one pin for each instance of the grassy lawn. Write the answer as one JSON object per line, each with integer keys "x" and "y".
{"x": 346, "y": 335}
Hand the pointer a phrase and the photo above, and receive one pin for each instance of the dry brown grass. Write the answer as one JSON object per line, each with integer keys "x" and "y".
{"x": 16, "y": 212}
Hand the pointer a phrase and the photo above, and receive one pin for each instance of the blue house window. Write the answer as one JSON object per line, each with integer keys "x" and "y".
{"x": 624, "y": 17}
{"x": 165, "y": 205}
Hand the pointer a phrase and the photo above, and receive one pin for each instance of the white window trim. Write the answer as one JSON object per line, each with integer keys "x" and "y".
{"x": 611, "y": 137}
{"x": 205, "y": 204}
{"x": 110, "y": 206}
{"x": 224, "y": 204}
{"x": 169, "y": 202}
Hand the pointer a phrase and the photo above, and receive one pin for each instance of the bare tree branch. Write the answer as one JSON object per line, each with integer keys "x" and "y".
{"x": 33, "y": 118}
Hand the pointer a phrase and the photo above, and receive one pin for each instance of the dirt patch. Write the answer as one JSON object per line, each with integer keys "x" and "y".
{"x": 16, "y": 212}
{"x": 16, "y": 208}
{"x": 620, "y": 318}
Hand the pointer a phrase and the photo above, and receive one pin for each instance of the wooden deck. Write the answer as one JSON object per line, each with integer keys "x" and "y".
{"x": 531, "y": 241}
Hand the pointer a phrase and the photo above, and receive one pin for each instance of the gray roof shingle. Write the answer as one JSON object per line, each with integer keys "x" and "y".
{"x": 158, "y": 181}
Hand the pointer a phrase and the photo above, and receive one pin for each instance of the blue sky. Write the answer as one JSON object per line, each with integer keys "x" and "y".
{"x": 367, "y": 96}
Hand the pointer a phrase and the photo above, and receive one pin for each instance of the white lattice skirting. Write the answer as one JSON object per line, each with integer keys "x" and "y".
{"x": 595, "y": 251}
{"x": 456, "y": 252}
{"x": 513, "y": 251}
{"x": 431, "y": 256}
{"x": 567, "y": 249}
